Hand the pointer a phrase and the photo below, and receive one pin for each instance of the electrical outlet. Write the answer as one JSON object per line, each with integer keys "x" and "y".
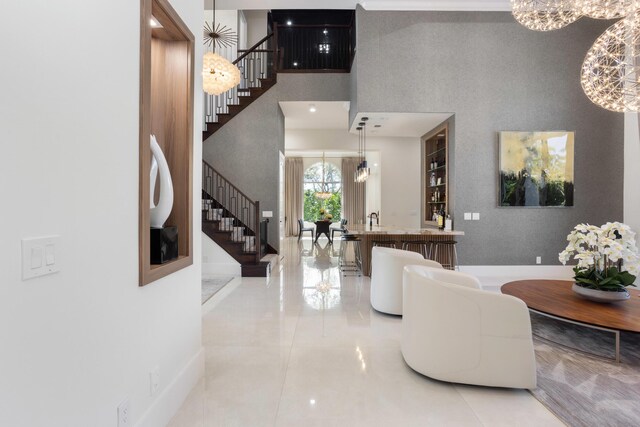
{"x": 154, "y": 381}
{"x": 123, "y": 413}
{"x": 538, "y": 260}
{"x": 467, "y": 216}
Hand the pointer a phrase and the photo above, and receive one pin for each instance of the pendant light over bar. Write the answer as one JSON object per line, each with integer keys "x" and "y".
{"x": 363, "y": 171}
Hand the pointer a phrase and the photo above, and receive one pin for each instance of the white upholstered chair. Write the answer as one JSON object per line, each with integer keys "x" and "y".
{"x": 387, "y": 265}
{"x": 454, "y": 331}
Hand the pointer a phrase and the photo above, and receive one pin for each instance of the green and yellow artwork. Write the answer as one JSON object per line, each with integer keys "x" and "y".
{"x": 536, "y": 169}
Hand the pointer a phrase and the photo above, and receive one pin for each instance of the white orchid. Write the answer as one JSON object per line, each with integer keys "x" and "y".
{"x": 598, "y": 249}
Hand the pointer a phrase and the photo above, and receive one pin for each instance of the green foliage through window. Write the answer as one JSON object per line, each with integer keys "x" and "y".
{"x": 313, "y": 183}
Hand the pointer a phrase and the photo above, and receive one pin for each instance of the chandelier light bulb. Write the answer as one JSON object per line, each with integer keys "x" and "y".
{"x": 611, "y": 68}
{"x": 218, "y": 74}
{"x": 544, "y": 15}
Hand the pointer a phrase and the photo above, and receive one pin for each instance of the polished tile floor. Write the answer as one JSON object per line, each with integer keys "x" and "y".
{"x": 305, "y": 348}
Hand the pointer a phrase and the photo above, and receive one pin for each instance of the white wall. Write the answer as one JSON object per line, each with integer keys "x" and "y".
{"x": 256, "y": 26}
{"x": 242, "y": 31}
{"x": 397, "y": 173}
{"x": 229, "y": 19}
{"x": 73, "y": 345}
{"x": 217, "y": 261}
{"x": 632, "y": 171}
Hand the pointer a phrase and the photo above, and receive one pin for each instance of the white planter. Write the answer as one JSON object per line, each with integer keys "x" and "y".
{"x": 600, "y": 296}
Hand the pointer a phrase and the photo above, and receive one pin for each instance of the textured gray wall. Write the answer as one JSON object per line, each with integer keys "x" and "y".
{"x": 245, "y": 150}
{"x": 496, "y": 75}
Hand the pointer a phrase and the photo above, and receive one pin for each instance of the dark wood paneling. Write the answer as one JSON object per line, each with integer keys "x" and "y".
{"x": 166, "y": 110}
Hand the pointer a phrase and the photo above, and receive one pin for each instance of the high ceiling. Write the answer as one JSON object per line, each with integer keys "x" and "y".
{"x": 335, "y": 115}
{"x": 328, "y": 115}
{"x": 479, "y": 5}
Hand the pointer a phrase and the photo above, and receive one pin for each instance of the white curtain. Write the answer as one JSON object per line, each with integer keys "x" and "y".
{"x": 353, "y": 193}
{"x": 293, "y": 194}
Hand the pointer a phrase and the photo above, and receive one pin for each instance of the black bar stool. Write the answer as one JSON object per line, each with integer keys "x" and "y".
{"x": 384, "y": 243}
{"x": 423, "y": 248}
{"x": 343, "y": 264}
{"x": 446, "y": 250}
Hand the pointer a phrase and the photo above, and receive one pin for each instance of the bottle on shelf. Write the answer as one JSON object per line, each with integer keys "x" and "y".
{"x": 448, "y": 223}
{"x": 441, "y": 219}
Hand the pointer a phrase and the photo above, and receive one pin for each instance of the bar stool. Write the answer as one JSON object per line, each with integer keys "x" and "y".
{"x": 343, "y": 264}
{"x": 384, "y": 243}
{"x": 423, "y": 248}
{"x": 447, "y": 250}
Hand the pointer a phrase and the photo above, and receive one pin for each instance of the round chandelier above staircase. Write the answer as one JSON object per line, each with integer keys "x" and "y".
{"x": 218, "y": 74}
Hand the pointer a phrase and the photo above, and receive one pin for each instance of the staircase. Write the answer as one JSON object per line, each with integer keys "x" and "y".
{"x": 257, "y": 69}
{"x": 232, "y": 220}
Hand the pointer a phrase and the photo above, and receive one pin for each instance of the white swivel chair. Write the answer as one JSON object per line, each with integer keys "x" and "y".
{"x": 454, "y": 331}
{"x": 387, "y": 265}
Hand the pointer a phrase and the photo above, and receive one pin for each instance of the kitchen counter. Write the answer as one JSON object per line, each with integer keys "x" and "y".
{"x": 379, "y": 229}
{"x": 397, "y": 235}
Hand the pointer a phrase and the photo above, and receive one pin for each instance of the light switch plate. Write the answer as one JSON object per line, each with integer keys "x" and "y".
{"x": 40, "y": 256}
{"x": 476, "y": 216}
{"x": 467, "y": 216}
{"x": 267, "y": 214}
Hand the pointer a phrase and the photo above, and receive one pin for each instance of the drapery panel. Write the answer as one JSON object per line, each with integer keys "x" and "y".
{"x": 294, "y": 194}
{"x": 353, "y": 193}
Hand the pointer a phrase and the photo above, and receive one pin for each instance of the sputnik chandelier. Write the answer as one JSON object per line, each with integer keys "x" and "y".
{"x": 218, "y": 74}
{"x": 544, "y": 15}
{"x": 610, "y": 72}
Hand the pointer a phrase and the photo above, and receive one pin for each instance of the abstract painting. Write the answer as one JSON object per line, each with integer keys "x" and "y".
{"x": 536, "y": 169}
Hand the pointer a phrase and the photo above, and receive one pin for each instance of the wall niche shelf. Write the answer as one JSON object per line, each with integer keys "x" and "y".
{"x": 166, "y": 110}
{"x": 435, "y": 163}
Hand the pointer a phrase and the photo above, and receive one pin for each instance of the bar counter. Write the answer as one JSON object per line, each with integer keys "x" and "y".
{"x": 369, "y": 234}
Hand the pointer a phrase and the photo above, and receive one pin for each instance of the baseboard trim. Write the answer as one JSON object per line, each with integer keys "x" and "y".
{"x": 521, "y": 271}
{"x": 166, "y": 405}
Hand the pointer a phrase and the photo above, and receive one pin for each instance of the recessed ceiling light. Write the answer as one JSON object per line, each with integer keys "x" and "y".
{"x": 289, "y": 22}
{"x": 312, "y": 108}
{"x": 154, "y": 23}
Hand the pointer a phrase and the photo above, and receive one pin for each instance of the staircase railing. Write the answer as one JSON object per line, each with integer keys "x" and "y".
{"x": 228, "y": 197}
{"x": 255, "y": 63}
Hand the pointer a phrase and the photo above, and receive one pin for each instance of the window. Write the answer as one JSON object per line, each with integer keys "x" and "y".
{"x": 332, "y": 184}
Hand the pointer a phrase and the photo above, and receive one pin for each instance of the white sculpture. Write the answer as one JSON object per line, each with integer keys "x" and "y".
{"x": 161, "y": 211}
